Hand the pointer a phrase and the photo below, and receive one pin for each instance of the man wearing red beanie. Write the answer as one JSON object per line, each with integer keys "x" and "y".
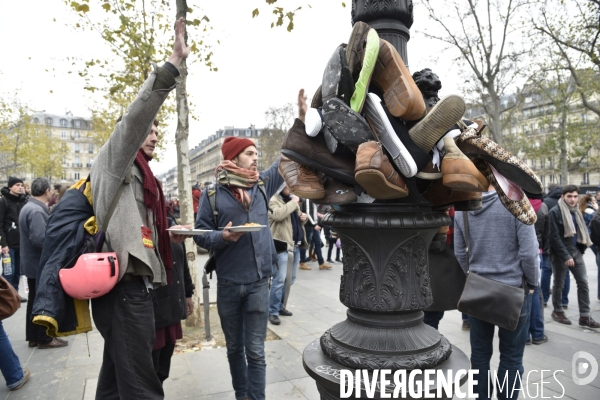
{"x": 244, "y": 261}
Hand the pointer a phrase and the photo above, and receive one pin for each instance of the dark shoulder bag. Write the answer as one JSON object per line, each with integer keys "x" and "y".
{"x": 489, "y": 300}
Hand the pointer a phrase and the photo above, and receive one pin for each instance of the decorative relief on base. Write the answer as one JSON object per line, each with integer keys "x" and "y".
{"x": 400, "y": 282}
{"x": 360, "y": 360}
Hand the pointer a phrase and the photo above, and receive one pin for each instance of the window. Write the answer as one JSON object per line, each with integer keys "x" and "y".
{"x": 543, "y": 179}
{"x": 542, "y": 163}
{"x": 48, "y": 121}
{"x": 77, "y": 123}
{"x": 551, "y": 178}
{"x": 248, "y": 132}
{"x": 63, "y": 134}
{"x": 35, "y": 120}
{"x": 76, "y": 147}
{"x": 76, "y": 135}
{"x": 63, "y": 122}
{"x": 76, "y": 176}
{"x": 90, "y": 148}
{"x": 533, "y": 163}
{"x": 586, "y": 179}
{"x": 236, "y": 133}
{"x": 77, "y": 160}
{"x": 584, "y": 118}
{"x": 89, "y": 164}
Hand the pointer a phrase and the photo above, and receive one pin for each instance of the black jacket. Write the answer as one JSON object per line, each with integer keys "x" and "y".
{"x": 10, "y": 208}
{"x": 542, "y": 228}
{"x": 169, "y": 300}
{"x": 560, "y": 246}
{"x": 552, "y": 199}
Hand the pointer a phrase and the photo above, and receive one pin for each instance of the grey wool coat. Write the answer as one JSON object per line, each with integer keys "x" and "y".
{"x": 115, "y": 159}
{"x": 32, "y": 228}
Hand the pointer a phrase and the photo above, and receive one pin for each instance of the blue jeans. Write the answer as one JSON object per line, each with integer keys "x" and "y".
{"x": 512, "y": 346}
{"x": 9, "y": 362}
{"x": 294, "y": 269}
{"x": 546, "y": 266}
{"x": 536, "y": 323}
{"x": 244, "y": 312}
{"x": 278, "y": 284}
{"x": 312, "y": 236}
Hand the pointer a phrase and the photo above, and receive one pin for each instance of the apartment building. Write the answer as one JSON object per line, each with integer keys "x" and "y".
{"x": 77, "y": 134}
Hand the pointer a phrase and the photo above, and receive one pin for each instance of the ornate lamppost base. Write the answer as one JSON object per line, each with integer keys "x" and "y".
{"x": 327, "y": 372}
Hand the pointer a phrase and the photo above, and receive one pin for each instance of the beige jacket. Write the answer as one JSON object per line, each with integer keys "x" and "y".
{"x": 280, "y": 220}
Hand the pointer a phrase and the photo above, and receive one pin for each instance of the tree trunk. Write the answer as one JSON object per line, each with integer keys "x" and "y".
{"x": 564, "y": 167}
{"x": 183, "y": 175}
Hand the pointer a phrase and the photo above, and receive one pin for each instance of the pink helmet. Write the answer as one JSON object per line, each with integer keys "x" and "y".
{"x": 94, "y": 275}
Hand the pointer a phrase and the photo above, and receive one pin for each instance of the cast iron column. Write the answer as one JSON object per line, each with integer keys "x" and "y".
{"x": 385, "y": 282}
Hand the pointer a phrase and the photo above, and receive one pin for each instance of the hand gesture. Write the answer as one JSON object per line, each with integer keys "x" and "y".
{"x": 303, "y": 217}
{"x": 229, "y": 236}
{"x": 570, "y": 263}
{"x": 180, "y": 50}
{"x": 295, "y": 198}
{"x": 302, "y": 107}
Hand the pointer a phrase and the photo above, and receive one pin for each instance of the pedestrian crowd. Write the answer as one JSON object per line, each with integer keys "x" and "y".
{"x": 327, "y": 161}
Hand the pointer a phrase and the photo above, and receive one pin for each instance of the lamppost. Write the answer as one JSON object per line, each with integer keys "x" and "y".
{"x": 385, "y": 282}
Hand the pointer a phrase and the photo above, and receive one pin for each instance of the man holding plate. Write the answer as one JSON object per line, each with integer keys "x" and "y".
{"x": 244, "y": 258}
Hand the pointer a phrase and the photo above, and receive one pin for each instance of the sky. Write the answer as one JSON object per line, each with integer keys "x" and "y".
{"x": 258, "y": 67}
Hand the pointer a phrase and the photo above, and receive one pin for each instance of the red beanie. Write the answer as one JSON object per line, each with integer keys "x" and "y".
{"x": 233, "y": 146}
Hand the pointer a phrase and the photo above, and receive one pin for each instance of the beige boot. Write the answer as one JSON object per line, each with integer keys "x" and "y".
{"x": 459, "y": 173}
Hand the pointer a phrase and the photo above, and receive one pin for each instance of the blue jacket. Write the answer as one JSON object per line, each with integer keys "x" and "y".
{"x": 252, "y": 257}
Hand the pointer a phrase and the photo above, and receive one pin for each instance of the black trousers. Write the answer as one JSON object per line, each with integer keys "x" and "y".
{"x": 162, "y": 360}
{"x": 125, "y": 319}
{"x": 34, "y": 332}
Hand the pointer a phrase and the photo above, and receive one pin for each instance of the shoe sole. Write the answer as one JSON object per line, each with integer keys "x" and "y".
{"x": 427, "y": 132}
{"x": 381, "y": 125}
{"x": 308, "y": 162}
{"x": 463, "y": 183}
{"x": 376, "y": 186}
{"x": 313, "y": 122}
{"x": 366, "y": 72}
{"x": 337, "y": 80}
{"x": 346, "y": 125}
{"x": 430, "y": 176}
{"x": 310, "y": 195}
{"x": 356, "y": 50}
{"x": 401, "y": 95}
{"x": 26, "y": 376}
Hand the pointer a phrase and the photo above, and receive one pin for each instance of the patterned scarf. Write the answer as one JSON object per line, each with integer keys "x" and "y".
{"x": 239, "y": 180}
{"x": 154, "y": 200}
{"x": 582, "y": 233}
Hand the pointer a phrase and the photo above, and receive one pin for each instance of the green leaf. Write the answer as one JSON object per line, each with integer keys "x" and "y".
{"x": 255, "y": 13}
{"x": 83, "y": 8}
{"x": 106, "y": 7}
{"x": 343, "y": 4}
{"x": 271, "y": 1}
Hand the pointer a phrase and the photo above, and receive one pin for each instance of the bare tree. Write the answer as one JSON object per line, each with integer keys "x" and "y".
{"x": 574, "y": 29}
{"x": 279, "y": 120}
{"x": 483, "y": 35}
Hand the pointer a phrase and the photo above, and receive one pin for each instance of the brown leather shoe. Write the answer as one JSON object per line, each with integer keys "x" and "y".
{"x": 375, "y": 173}
{"x": 304, "y": 266}
{"x": 588, "y": 322}
{"x": 302, "y": 181}
{"x": 561, "y": 318}
{"x": 324, "y": 266}
{"x": 442, "y": 198}
{"x": 55, "y": 343}
{"x": 430, "y": 172}
{"x": 312, "y": 152}
{"x": 32, "y": 343}
{"x": 459, "y": 173}
{"x": 401, "y": 95}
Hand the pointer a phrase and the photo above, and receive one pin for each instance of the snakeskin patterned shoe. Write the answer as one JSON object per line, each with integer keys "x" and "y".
{"x": 473, "y": 144}
{"x": 510, "y": 194}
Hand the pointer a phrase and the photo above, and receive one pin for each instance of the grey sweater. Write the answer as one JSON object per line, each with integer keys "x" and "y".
{"x": 32, "y": 226}
{"x": 500, "y": 246}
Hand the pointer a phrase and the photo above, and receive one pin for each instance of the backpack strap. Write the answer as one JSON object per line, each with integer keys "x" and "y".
{"x": 113, "y": 204}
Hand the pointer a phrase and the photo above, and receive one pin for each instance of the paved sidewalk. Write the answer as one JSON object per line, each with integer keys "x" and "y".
{"x": 69, "y": 373}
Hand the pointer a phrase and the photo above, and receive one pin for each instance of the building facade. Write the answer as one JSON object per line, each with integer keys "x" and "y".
{"x": 77, "y": 134}
{"x": 534, "y": 120}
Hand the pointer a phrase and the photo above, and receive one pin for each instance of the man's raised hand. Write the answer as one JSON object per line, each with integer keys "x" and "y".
{"x": 302, "y": 107}
{"x": 180, "y": 50}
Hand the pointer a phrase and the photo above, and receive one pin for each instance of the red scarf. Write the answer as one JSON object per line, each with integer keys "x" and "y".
{"x": 154, "y": 200}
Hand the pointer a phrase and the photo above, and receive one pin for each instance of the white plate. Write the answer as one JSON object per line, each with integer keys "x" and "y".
{"x": 189, "y": 232}
{"x": 246, "y": 228}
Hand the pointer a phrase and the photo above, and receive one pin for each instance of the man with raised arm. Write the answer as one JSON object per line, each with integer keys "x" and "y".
{"x": 137, "y": 232}
{"x": 244, "y": 261}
